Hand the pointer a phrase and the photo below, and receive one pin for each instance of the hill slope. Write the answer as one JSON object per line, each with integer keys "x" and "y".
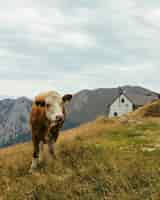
{"x": 149, "y": 110}
{"x": 106, "y": 159}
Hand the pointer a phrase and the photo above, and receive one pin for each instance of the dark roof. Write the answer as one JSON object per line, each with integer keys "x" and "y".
{"x": 140, "y": 100}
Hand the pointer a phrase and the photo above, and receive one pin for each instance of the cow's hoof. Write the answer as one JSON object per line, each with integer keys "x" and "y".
{"x": 34, "y": 165}
{"x": 31, "y": 171}
{"x": 41, "y": 159}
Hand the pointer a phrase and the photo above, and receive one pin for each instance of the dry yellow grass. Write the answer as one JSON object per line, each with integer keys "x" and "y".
{"x": 90, "y": 129}
{"x": 114, "y": 159}
{"x": 149, "y": 110}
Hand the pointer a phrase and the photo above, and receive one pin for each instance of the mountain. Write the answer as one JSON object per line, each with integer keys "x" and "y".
{"x": 2, "y": 97}
{"x": 14, "y": 116}
{"x": 85, "y": 106}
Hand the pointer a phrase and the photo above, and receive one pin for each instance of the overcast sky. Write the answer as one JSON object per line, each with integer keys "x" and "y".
{"x": 72, "y": 45}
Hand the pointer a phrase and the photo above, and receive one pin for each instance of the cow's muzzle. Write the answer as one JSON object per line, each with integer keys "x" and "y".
{"x": 58, "y": 123}
{"x": 59, "y": 118}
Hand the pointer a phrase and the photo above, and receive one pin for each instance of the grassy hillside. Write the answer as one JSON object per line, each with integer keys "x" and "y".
{"x": 113, "y": 159}
{"x": 149, "y": 110}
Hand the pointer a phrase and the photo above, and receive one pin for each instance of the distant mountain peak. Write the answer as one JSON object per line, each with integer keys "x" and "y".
{"x": 2, "y": 97}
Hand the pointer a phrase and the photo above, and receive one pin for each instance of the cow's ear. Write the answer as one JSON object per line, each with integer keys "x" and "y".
{"x": 67, "y": 97}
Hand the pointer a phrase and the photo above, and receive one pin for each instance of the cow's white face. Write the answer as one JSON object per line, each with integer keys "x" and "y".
{"x": 55, "y": 107}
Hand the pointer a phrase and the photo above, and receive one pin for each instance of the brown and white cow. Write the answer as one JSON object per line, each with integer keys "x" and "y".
{"x": 46, "y": 120}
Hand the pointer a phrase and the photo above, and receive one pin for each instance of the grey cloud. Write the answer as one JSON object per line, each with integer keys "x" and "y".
{"x": 91, "y": 41}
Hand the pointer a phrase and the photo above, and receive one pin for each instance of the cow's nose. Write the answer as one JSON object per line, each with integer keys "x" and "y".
{"x": 59, "y": 118}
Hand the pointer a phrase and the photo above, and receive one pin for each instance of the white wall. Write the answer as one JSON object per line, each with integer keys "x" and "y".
{"x": 120, "y": 107}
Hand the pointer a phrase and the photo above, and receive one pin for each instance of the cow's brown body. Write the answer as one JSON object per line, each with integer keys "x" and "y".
{"x": 43, "y": 130}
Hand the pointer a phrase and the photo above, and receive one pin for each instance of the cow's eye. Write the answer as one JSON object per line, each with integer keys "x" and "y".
{"x": 42, "y": 104}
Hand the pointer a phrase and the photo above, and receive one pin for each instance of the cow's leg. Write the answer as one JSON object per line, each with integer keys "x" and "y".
{"x": 41, "y": 151}
{"x": 51, "y": 144}
{"x": 35, "y": 154}
{"x": 56, "y": 136}
{"x": 51, "y": 148}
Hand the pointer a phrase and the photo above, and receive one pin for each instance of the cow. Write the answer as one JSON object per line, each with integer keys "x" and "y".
{"x": 46, "y": 119}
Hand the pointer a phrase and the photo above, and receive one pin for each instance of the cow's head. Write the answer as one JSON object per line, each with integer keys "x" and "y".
{"x": 54, "y": 107}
